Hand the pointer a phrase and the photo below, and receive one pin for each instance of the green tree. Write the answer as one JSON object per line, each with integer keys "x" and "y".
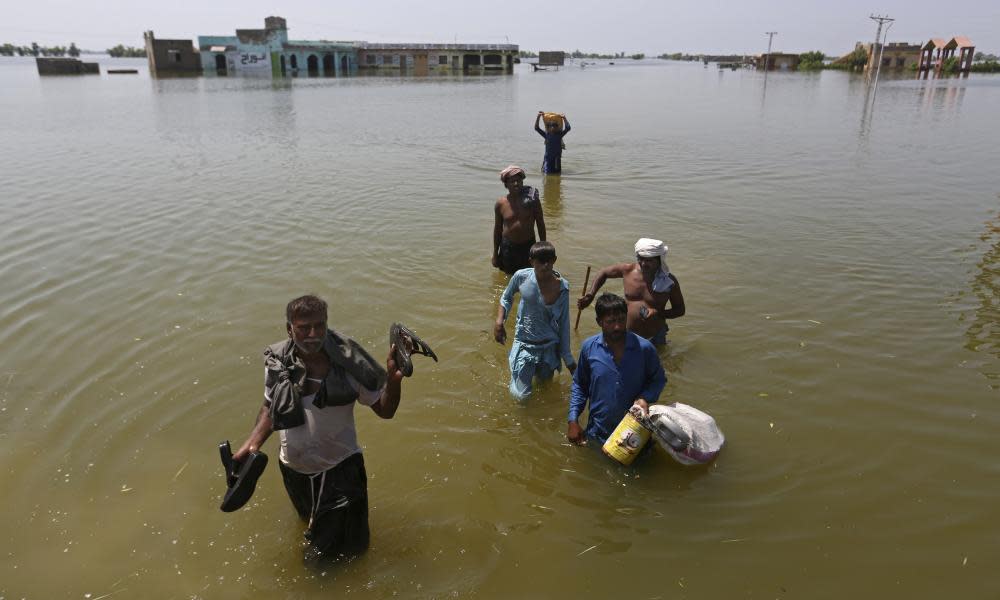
{"x": 120, "y": 51}
{"x": 950, "y": 65}
{"x": 34, "y": 49}
{"x": 855, "y": 61}
{"x": 810, "y": 61}
{"x": 73, "y": 50}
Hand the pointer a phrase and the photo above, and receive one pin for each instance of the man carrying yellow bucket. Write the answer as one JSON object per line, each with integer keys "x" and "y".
{"x": 616, "y": 370}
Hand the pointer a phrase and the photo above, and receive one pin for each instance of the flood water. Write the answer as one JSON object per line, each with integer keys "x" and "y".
{"x": 840, "y": 265}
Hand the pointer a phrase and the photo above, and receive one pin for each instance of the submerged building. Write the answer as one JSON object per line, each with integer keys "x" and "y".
{"x": 894, "y": 55}
{"x": 776, "y": 61}
{"x": 269, "y": 51}
{"x": 171, "y": 56}
{"x": 65, "y": 66}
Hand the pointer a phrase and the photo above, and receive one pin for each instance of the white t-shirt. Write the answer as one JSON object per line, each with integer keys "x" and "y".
{"x": 328, "y": 436}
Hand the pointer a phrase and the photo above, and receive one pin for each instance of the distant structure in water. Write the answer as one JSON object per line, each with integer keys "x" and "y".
{"x": 268, "y": 51}
{"x": 894, "y": 55}
{"x": 65, "y": 66}
{"x": 171, "y": 56}
{"x": 776, "y": 61}
{"x": 936, "y": 51}
{"x": 923, "y": 58}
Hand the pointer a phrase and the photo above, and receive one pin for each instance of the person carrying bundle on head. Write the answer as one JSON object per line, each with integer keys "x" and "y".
{"x": 553, "y": 133}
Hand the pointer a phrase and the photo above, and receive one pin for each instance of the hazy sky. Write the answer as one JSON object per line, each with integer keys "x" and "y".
{"x": 627, "y": 25}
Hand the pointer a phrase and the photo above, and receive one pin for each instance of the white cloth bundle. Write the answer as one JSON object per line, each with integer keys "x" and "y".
{"x": 686, "y": 433}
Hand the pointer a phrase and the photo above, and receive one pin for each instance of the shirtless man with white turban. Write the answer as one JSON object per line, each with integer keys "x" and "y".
{"x": 649, "y": 285}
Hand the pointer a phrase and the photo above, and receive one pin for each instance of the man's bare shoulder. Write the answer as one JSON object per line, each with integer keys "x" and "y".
{"x": 630, "y": 268}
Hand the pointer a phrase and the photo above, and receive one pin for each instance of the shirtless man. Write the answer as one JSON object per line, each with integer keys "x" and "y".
{"x": 649, "y": 285}
{"x": 517, "y": 215}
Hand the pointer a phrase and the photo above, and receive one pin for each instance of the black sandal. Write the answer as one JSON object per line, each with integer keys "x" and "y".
{"x": 407, "y": 343}
{"x": 241, "y": 477}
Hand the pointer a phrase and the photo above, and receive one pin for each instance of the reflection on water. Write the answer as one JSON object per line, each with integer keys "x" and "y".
{"x": 552, "y": 200}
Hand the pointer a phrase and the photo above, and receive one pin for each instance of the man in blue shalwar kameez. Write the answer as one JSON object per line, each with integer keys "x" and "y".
{"x": 541, "y": 335}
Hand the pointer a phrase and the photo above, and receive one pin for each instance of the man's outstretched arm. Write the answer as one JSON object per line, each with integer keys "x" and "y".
{"x": 261, "y": 431}
{"x": 389, "y": 402}
{"x": 613, "y": 272}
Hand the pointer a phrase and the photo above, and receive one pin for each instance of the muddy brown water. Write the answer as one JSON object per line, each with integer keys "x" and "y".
{"x": 840, "y": 266}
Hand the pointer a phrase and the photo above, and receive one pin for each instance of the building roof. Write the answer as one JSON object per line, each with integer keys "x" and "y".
{"x": 378, "y": 46}
{"x": 934, "y": 43}
{"x": 318, "y": 45}
{"x": 252, "y": 36}
{"x": 960, "y": 41}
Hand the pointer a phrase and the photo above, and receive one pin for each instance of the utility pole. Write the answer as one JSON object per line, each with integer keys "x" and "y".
{"x": 770, "y": 36}
{"x": 878, "y": 69}
{"x": 881, "y": 20}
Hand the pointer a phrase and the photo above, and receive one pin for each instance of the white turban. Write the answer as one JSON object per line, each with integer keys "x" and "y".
{"x": 648, "y": 248}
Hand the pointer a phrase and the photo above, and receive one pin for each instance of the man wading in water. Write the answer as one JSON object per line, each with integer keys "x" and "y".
{"x": 553, "y": 134}
{"x": 649, "y": 285}
{"x": 541, "y": 336}
{"x": 312, "y": 382}
{"x": 517, "y": 214}
{"x": 616, "y": 370}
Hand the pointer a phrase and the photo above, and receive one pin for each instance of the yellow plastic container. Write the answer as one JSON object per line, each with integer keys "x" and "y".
{"x": 626, "y": 440}
{"x": 553, "y": 118}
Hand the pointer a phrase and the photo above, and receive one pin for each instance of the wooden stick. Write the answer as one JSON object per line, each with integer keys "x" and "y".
{"x": 579, "y": 311}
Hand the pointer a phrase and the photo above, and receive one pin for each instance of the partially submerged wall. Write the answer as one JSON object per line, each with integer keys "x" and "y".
{"x": 66, "y": 66}
{"x": 171, "y": 56}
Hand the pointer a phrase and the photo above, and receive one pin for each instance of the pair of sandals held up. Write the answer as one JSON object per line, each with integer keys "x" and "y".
{"x": 407, "y": 343}
{"x": 241, "y": 477}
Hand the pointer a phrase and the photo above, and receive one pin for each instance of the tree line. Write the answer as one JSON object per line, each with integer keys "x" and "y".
{"x": 120, "y": 51}
{"x": 34, "y": 49}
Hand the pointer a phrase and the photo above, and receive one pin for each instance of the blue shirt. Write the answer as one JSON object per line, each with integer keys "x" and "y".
{"x": 612, "y": 388}
{"x": 539, "y": 323}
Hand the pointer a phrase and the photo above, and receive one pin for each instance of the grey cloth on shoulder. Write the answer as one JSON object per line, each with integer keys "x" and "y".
{"x": 286, "y": 374}
{"x": 530, "y": 194}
